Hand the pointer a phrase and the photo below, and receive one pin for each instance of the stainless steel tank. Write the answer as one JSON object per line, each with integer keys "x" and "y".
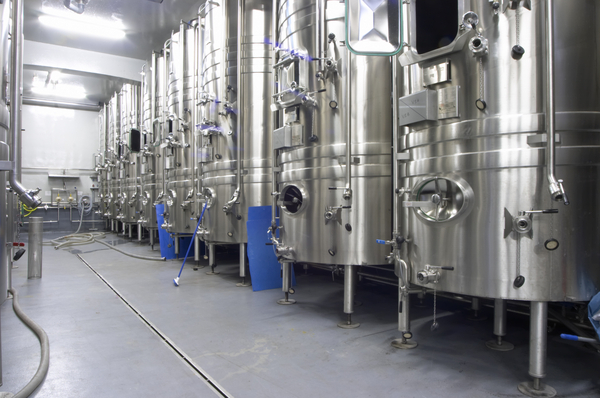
{"x": 332, "y": 109}
{"x": 179, "y": 152}
{"x": 112, "y": 159}
{"x": 151, "y": 165}
{"x": 498, "y": 100}
{"x": 130, "y": 147}
{"x": 487, "y": 167}
{"x": 334, "y": 137}
{"x": 218, "y": 152}
{"x": 101, "y": 162}
{"x": 236, "y": 152}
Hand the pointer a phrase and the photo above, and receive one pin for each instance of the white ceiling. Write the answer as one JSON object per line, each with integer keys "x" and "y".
{"x": 147, "y": 25}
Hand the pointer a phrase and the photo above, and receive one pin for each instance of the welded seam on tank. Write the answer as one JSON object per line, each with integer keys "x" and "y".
{"x": 212, "y": 383}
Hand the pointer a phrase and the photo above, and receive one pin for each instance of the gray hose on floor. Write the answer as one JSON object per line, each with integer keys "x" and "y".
{"x": 132, "y": 255}
{"x": 45, "y": 348}
{"x": 91, "y": 237}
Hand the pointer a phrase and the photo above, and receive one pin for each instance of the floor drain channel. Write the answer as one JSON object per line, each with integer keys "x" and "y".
{"x": 201, "y": 372}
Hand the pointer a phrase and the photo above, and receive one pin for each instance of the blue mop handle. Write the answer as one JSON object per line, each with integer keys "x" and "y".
{"x": 578, "y": 338}
{"x": 192, "y": 241}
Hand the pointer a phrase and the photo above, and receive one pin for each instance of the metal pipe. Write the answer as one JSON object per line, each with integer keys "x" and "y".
{"x": 348, "y": 190}
{"x": 36, "y": 235}
{"x": 176, "y": 240}
{"x": 130, "y": 233}
{"x": 554, "y": 186}
{"x": 182, "y": 54}
{"x": 28, "y": 197}
{"x": 275, "y": 116}
{"x": 194, "y": 118}
{"x": 538, "y": 324}
{"x": 237, "y": 195}
{"x": 61, "y": 104}
{"x": 163, "y": 122}
{"x": 139, "y": 232}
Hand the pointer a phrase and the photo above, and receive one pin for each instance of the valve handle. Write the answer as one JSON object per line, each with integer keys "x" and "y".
{"x": 380, "y": 241}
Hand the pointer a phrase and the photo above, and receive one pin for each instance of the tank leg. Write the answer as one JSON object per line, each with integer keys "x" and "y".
{"x": 349, "y": 291}
{"x": 243, "y": 267}
{"x": 404, "y": 323}
{"x": 475, "y": 310}
{"x": 151, "y": 231}
{"x": 130, "y": 231}
{"x": 498, "y": 343}
{"x": 211, "y": 260}
{"x": 286, "y": 284}
{"x": 420, "y": 300}
{"x": 197, "y": 253}
{"x": 176, "y": 240}
{"x": 139, "y": 232}
{"x": 538, "y": 330}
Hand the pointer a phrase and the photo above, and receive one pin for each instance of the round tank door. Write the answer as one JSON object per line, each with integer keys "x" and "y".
{"x": 441, "y": 199}
{"x": 293, "y": 199}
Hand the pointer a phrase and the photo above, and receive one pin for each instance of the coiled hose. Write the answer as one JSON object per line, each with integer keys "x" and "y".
{"x": 45, "y": 349}
{"x": 84, "y": 205}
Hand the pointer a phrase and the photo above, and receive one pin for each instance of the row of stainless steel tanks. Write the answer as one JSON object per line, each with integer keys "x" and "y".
{"x": 440, "y": 151}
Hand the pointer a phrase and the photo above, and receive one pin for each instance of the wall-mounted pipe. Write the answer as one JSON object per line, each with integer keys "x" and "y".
{"x": 28, "y": 197}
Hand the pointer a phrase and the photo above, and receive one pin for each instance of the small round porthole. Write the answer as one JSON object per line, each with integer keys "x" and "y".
{"x": 293, "y": 199}
{"x": 441, "y": 199}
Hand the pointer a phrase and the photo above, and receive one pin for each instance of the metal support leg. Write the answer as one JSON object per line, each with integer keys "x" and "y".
{"x": 151, "y": 231}
{"x": 130, "y": 232}
{"x": 475, "y": 309}
{"x": 349, "y": 292}
{"x": 499, "y": 328}
{"x": 243, "y": 267}
{"x": 176, "y": 240}
{"x": 404, "y": 323}
{"x": 420, "y": 300}
{"x": 286, "y": 284}
{"x": 211, "y": 260}
{"x": 538, "y": 330}
{"x": 139, "y": 231}
{"x": 197, "y": 253}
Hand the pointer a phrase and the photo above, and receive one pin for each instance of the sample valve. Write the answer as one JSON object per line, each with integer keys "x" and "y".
{"x": 431, "y": 274}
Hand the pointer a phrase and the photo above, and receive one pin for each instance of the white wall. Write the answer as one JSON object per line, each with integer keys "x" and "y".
{"x": 57, "y": 141}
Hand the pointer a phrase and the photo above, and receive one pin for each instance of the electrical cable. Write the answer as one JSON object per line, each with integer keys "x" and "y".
{"x": 42, "y": 371}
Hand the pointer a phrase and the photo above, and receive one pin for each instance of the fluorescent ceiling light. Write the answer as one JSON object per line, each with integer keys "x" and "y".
{"x": 81, "y": 27}
{"x": 61, "y": 90}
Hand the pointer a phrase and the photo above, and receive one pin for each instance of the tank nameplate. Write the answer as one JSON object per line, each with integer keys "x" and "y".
{"x": 169, "y": 162}
{"x": 448, "y": 102}
{"x": 417, "y": 107}
{"x": 435, "y": 74}
{"x": 205, "y": 154}
{"x": 288, "y": 136}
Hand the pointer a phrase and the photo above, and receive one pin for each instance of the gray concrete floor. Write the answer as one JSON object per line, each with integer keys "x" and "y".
{"x": 250, "y": 345}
